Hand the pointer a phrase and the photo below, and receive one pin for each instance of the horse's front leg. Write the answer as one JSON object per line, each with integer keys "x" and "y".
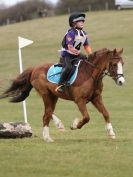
{"x": 46, "y": 119}
{"x": 49, "y": 103}
{"x": 85, "y": 119}
{"x": 98, "y": 103}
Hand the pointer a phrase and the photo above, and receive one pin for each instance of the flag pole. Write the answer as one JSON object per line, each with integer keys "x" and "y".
{"x": 21, "y": 70}
{"x": 23, "y": 43}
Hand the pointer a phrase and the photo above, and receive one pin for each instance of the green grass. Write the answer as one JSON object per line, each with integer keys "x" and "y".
{"x": 85, "y": 152}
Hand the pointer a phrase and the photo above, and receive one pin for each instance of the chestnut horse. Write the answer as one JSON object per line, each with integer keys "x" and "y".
{"x": 87, "y": 87}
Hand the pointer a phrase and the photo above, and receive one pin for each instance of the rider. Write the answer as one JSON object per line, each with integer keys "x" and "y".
{"x": 72, "y": 41}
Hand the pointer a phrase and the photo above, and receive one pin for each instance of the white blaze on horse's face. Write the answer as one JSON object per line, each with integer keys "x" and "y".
{"x": 120, "y": 80}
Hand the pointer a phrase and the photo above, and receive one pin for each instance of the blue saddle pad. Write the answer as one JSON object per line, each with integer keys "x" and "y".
{"x": 54, "y": 74}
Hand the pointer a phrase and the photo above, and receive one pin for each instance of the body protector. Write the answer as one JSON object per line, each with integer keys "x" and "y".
{"x": 76, "y": 38}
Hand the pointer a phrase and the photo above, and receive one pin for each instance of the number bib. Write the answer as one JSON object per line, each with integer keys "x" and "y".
{"x": 79, "y": 39}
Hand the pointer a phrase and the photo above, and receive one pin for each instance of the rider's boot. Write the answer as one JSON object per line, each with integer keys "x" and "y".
{"x": 64, "y": 75}
{"x": 61, "y": 85}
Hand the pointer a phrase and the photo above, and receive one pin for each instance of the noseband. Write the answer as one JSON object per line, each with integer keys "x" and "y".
{"x": 107, "y": 72}
{"x": 112, "y": 70}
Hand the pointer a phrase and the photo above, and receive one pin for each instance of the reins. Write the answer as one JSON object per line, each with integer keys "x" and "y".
{"x": 103, "y": 73}
{"x": 100, "y": 76}
{"x": 91, "y": 64}
{"x": 97, "y": 67}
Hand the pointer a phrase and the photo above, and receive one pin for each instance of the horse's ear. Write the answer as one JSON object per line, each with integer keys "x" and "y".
{"x": 120, "y": 51}
{"x": 115, "y": 51}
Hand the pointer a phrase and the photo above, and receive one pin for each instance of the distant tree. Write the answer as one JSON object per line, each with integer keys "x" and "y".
{"x": 23, "y": 11}
{"x": 64, "y": 6}
{"x": 2, "y": 6}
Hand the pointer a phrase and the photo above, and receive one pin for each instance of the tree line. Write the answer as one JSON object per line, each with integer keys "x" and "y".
{"x": 42, "y": 8}
{"x": 24, "y": 11}
{"x": 64, "y": 6}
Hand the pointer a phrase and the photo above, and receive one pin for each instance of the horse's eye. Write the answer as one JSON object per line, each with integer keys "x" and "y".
{"x": 115, "y": 64}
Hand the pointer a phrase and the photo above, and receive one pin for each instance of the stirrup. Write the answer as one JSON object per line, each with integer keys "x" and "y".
{"x": 60, "y": 88}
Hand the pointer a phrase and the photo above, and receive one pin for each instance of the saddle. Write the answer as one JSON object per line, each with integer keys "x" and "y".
{"x": 54, "y": 73}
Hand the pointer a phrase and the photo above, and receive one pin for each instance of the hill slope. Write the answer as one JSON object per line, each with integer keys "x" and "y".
{"x": 81, "y": 153}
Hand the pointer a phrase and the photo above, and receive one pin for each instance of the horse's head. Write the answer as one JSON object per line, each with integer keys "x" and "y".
{"x": 115, "y": 66}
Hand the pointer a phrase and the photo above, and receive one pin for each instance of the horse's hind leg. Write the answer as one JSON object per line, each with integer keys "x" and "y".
{"x": 98, "y": 103}
{"x": 58, "y": 123}
{"x": 49, "y": 102}
{"x": 85, "y": 119}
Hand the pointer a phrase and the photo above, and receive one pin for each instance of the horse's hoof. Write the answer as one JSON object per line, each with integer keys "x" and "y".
{"x": 60, "y": 126}
{"x": 48, "y": 140}
{"x": 110, "y": 131}
{"x": 111, "y": 134}
{"x": 74, "y": 124}
{"x": 112, "y": 137}
{"x": 62, "y": 129}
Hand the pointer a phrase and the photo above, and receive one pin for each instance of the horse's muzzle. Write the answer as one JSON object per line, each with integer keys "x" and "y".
{"x": 120, "y": 80}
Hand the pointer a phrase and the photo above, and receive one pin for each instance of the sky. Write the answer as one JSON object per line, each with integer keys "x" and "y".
{"x": 12, "y": 2}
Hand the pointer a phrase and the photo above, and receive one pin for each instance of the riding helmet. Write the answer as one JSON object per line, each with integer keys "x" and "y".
{"x": 76, "y": 16}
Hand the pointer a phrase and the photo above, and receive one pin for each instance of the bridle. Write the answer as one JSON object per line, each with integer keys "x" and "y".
{"x": 111, "y": 69}
{"x": 108, "y": 72}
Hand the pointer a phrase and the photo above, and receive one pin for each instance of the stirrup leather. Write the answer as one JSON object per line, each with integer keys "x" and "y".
{"x": 57, "y": 88}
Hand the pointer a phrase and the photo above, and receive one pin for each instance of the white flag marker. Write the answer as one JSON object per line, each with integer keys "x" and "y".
{"x": 22, "y": 42}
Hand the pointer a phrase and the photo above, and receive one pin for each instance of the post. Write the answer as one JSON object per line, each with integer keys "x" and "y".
{"x": 20, "y": 60}
{"x": 23, "y": 43}
{"x": 21, "y": 70}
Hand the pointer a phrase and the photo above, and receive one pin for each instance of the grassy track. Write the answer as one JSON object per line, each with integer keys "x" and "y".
{"x": 80, "y": 153}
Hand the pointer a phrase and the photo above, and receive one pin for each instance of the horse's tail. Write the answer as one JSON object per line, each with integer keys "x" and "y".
{"x": 20, "y": 87}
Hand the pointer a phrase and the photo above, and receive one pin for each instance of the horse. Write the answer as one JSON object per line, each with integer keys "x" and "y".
{"x": 87, "y": 87}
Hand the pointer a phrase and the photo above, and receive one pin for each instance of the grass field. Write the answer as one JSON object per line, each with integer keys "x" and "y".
{"x": 81, "y": 153}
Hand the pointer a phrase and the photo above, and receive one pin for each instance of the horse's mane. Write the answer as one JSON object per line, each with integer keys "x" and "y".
{"x": 87, "y": 66}
{"x": 98, "y": 53}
